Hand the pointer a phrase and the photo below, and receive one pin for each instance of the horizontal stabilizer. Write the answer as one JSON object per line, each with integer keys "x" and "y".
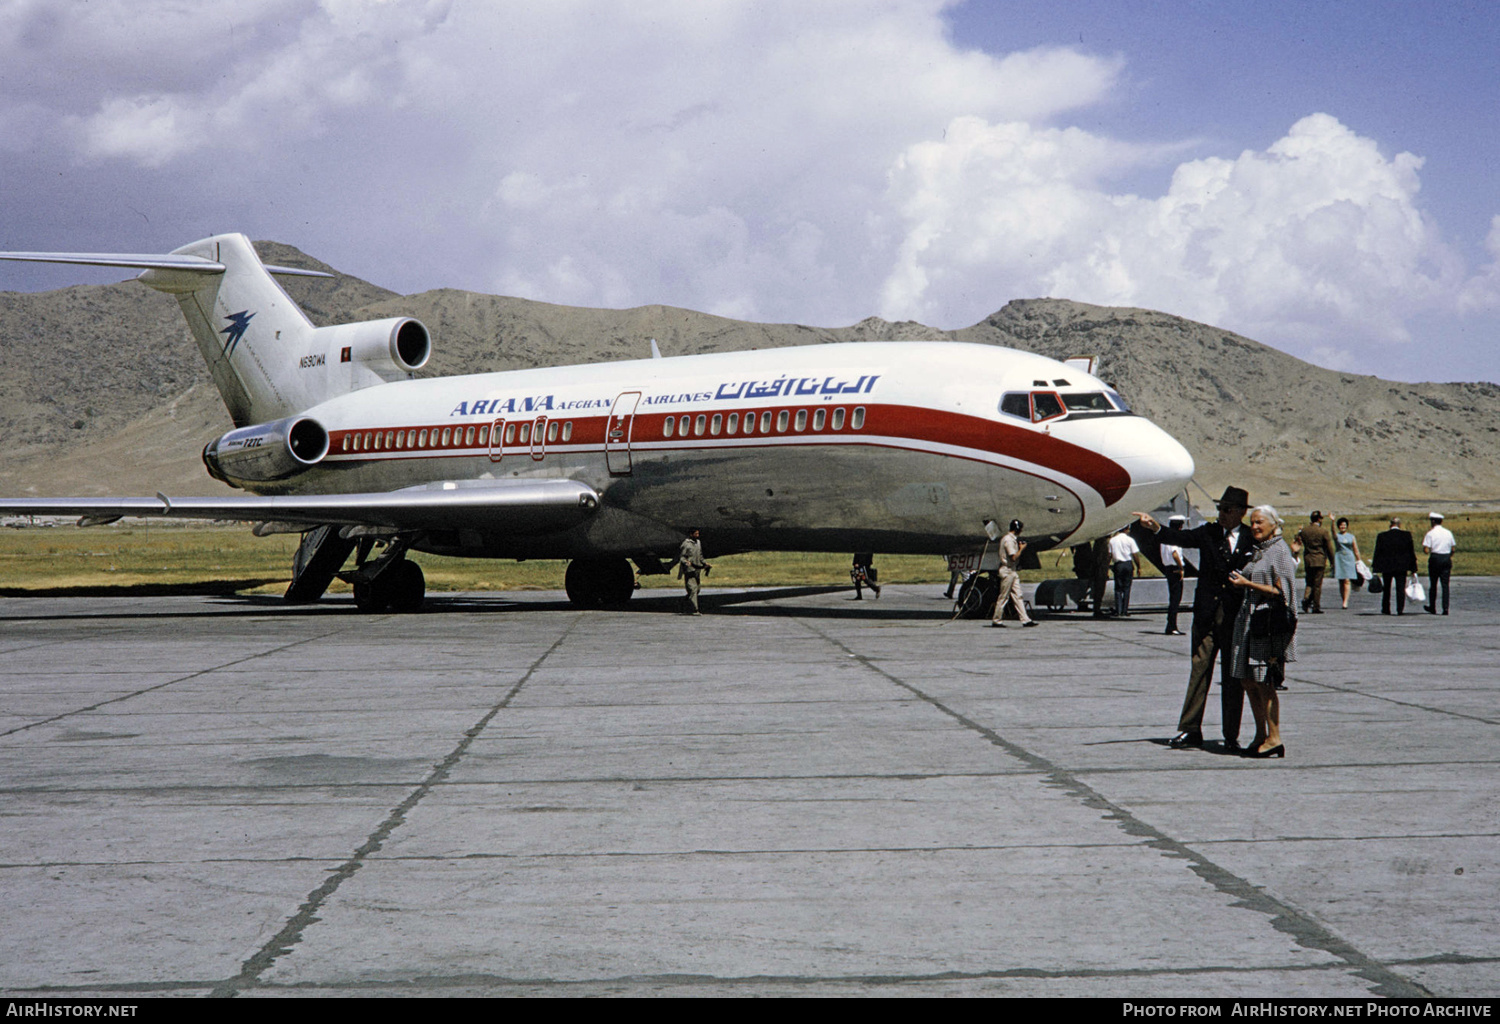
{"x": 141, "y": 261}
{"x": 515, "y": 506}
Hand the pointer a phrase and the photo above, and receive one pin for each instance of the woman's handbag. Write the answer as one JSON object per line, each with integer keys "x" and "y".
{"x": 1362, "y": 575}
{"x": 1273, "y": 617}
{"x": 1415, "y": 591}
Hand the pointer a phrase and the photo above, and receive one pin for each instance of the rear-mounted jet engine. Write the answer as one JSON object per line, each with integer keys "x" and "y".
{"x": 266, "y": 451}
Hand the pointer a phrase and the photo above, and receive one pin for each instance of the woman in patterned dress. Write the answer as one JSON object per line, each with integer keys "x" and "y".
{"x": 1272, "y": 571}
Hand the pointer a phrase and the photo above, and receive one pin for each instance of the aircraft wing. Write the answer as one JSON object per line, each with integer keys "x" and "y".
{"x": 516, "y": 506}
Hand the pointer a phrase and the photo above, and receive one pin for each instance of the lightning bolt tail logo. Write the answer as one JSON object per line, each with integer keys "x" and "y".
{"x": 238, "y": 322}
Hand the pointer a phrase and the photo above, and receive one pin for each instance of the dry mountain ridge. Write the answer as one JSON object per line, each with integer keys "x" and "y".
{"x": 103, "y": 392}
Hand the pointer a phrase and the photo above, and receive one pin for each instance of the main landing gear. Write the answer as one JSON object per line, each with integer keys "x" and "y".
{"x": 400, "y": 588}
{"x": 596, "y": 582}
{"x": 390, "y": 582}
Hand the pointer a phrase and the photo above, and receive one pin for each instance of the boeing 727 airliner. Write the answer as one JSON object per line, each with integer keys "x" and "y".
{"x": 901, "y": 447}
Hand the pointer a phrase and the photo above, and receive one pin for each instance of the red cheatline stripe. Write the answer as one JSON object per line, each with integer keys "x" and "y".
{"x": 903, "y": 422}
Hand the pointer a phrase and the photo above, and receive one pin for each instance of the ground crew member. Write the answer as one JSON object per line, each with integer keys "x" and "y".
{"x": 690, "y": 566}
{"x": 1011, "y": 546}
{"x": 863, "y": 574}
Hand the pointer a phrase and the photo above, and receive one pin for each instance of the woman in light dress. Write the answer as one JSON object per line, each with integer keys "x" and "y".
{"x": 1345, "y": 559}
{"x": 1272, "y": 571}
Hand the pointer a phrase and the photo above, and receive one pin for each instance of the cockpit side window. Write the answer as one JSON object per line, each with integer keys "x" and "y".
{"x": 1045, "y": 405}
{"x": 1016, "y": 403}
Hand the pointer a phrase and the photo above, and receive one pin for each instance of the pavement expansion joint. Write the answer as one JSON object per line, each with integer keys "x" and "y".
{"x": 1302, "y": 928}
{"x": 170, "y": 682}
{"x": 792, "y": 797}
{"x": 292, "y": 932}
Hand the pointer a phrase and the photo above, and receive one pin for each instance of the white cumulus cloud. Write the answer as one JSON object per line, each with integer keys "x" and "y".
{"x": 1318, "y": 237}
{"x": 768, "y": 159}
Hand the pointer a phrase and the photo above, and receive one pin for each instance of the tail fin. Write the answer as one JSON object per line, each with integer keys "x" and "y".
{"x": 266, "y": 358}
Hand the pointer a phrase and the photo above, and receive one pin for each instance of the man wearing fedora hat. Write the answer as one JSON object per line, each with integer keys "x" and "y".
{"x": 1223, "y": 547}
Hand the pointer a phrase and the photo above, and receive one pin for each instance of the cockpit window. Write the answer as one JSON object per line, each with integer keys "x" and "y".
{"x": 1087, "y": 403}
{"x": 1045, "y": 405}
{"x": 1036, "y": 406}
{"x": 1016, "y": 403}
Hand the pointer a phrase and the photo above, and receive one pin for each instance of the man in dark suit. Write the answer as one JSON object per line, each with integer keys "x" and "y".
{"x": 1395, "y": 556}
{"x": 1223, "y": 547}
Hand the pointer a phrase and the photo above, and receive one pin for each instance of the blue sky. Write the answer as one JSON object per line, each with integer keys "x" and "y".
{"x": 1315, "y": 176}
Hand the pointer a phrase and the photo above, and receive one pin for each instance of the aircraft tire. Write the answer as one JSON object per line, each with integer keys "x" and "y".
{"x": 580, "y": 583}
{"x": 407, "y": 587}
{"x": 617, "y": 581}
{"x": 596, "y": 582}
{"x": 371, "y": 598}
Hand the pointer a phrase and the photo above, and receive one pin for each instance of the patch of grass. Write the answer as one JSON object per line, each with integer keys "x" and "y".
{"x": 138, "y": 557}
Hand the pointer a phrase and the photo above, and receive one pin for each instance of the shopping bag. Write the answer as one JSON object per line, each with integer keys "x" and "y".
{"x": 1415, "y": 591}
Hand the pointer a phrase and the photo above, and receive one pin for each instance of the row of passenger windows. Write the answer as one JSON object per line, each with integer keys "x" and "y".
{"x": 453, "y": 437}
{"x": 718, "y": 423}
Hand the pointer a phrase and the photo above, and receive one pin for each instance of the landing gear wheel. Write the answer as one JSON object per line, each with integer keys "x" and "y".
{"x": 407, "y": 586}
{"x": 371, "y": 598}
{"x": 595, "y": 582}
{"x": 401, "y": 588}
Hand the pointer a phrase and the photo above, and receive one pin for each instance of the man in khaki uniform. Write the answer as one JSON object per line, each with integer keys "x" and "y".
{"x": 690, "y": 566}
{"x": 1011, "y": 546}
{"x": 1317, "y": 552}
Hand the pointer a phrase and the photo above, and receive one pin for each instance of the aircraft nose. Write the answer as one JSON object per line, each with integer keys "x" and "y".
{"x": 1158, "y": 465}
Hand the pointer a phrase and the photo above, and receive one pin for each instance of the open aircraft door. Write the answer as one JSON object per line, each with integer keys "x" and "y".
{"x": 617, "y": 434}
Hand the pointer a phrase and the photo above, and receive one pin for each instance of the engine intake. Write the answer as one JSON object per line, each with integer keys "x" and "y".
{"x": 391, "y": 348}
{"x": 266, "y": 451}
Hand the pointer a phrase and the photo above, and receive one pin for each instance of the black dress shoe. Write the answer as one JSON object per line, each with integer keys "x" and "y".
{"x": 1277, "y": 751}
{"x": 1186, "y": 739}
{"x": 1232, "y": 746}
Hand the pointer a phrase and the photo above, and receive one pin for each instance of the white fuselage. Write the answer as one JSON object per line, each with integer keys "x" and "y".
{"x": 889, "y": 446}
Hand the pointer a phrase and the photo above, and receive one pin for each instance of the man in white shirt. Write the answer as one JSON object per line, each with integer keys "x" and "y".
{"x": 1125, "y": 561}
{"x": 1439, "y": 545}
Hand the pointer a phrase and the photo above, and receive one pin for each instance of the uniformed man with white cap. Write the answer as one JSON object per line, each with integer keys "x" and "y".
{"x": 1439, "y": 545}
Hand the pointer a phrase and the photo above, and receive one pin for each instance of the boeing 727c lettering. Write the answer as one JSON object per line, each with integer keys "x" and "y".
{"x": 900, "y": 447}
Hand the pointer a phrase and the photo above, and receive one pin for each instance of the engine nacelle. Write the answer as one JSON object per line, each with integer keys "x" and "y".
{"x": 392, "y": 349}
{"x": 266, "y": 451}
